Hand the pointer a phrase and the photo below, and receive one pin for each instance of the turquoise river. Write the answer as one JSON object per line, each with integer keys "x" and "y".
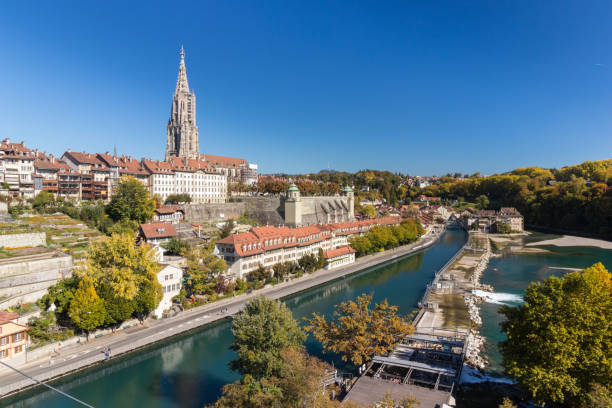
{"x": 189, "y": 370}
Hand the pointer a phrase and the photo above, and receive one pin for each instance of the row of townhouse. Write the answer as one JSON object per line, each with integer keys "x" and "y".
{"x": 16, "y": 169}
{"x": 488, "y": 220}
{"x": 191, "y": 176}
{"x": 269, "y": 245}
{"x": 92, "y": 176}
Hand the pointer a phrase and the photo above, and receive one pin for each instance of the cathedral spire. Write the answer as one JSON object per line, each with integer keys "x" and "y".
{"x": 183, "y": 138}
{"x": 181, "y": 83}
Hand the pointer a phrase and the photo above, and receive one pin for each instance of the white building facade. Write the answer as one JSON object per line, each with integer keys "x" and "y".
{"x": 171, "y": 279}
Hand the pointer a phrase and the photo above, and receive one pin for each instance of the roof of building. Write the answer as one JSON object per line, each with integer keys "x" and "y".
{"x": 7, "y": 316}
{"x": 334, "y": 253}
{"x": 485, "y": 213}
{"x": 9, "y": 328}
{"x": 293, "y": 187}
{"x": 174, "y": 164}
{"x": 261, "y": 239}
{"x": 509, "y": 211}
{"x": 168, "y": 209}
{"x": 16, "y": 150}
{"x": 126, "y": 164}
{"x": 44, "y": 162}
{"x": 158, "y": 230}
{"x": 85, "y": 158}
{"x": 223, "y": 161}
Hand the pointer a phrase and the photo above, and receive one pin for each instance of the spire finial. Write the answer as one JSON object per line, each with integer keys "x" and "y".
{"x": 181, "y": 82}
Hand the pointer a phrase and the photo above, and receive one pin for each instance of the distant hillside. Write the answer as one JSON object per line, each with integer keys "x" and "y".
{"x": 574, "y": 198}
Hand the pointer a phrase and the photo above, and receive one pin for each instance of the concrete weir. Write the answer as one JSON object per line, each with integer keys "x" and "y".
{"x": 427, "y": 364}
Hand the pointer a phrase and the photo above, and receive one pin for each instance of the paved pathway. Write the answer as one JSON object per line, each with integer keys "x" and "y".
{"x": 83, "y": 355}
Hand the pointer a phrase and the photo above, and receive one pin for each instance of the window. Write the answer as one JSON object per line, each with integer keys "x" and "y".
{"x": 17, "y": 336}
{"x": 18, "y": 349}
{"x": 4, "y": 340}
{"x": 2, "y": 353}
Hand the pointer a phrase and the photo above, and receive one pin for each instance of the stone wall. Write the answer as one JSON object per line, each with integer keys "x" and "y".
{"x": 267, "y": 210}
{"x": 213, "y": 212}
{"x": 26, "y": 279}
{"x": 32, "y": 239}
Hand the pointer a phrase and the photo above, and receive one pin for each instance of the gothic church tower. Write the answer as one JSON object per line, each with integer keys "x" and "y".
{"x": 183, "y": 138}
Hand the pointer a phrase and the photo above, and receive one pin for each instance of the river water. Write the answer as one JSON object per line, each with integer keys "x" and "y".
{"x": 511, "y": 273}
{"x": 189, "y": 371}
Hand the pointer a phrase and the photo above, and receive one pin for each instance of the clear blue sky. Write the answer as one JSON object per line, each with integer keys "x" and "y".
{"x": 421, "y": 87}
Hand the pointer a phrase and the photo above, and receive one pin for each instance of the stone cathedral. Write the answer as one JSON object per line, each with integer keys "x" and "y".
{"x": 182, "y": 130}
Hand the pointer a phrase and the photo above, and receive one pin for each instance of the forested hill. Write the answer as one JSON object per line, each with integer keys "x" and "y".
{"x": 574, "y": 198}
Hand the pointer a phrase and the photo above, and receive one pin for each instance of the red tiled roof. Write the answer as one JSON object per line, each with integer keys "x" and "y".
{"x": 158, "y": 230}
{"x": 223, "y": 161}
{"x": 6, "y": 317}
{"x": 168, "y": 209}
{"x": 126, "y": 164}
{"x": 175, "y": 164}
{"x": 261, "y": 239}
{"x": 84, "y": 158}
{"x": 13, "y": 148}
{"x": 44, "y": 162}
{"x": 333, "y": 253}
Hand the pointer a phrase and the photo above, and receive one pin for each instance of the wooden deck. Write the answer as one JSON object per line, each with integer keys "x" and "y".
{"x": 368, "y": 390}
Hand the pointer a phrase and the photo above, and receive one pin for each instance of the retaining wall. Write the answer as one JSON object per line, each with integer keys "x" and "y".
{"x": 30, "y": 239}
{"x": 267, "y": 210}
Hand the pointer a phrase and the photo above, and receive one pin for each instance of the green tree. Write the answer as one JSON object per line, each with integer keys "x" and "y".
{"x": 118, "y": 309}
{"x": 43, "y": 200}
{"x": 507, "y": 403}
{"x": 60, "y": 296}
{"x": 482, "y": 201}
{"x": 369, "y": 211}
{"x": 131, "y": 201}
{"x": 261, "y": 331}
{"x": 227, "y": 228}
{"x": 176, "y": 246}
{"x": 178, "y": 198}
{"x": 203, "y": 268}
{"x": 358, "y": 331}
{"x": 559, "y": 341}
{"x": 126, "y": 276}
{"x": 87, "y": 309}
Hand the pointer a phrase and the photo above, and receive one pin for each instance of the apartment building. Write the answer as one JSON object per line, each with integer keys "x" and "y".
{"x": 186, "y": 176}
{"x": 269, "y": 245}
{"x": 16, "y": 168}
{"x": 13, "y": 338}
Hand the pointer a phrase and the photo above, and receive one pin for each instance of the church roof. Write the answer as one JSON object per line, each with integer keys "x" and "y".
{"x": 223, "y": 161}
{"x": 293, "y": 187}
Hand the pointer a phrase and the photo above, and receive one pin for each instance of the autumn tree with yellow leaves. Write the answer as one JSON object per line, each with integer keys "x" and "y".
{"x": 358, "y": 331}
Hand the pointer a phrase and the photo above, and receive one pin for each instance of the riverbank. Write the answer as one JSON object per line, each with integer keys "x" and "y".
{"x": 573, "y": 241}
{"x": 82, "y": 356}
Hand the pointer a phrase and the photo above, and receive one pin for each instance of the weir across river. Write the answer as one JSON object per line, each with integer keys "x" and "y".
{"x": 427, "y": 364}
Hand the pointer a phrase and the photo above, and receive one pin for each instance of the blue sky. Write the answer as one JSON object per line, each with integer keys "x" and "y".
{"x": 420, "y": 87}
